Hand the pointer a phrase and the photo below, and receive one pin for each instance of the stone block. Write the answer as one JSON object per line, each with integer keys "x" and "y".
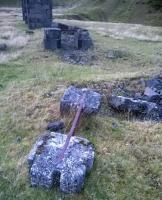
{"x": 52, "y": 38}
{"x": 37, "y": 13}
{"x": 149, "y": 110}
{"x": 83, "y": 40}
{"x": 46, "y": 169}
{"x": 72, "y": 97}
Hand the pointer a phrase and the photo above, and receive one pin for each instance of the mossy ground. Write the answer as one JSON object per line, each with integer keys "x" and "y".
{"x": 128, "y": 157}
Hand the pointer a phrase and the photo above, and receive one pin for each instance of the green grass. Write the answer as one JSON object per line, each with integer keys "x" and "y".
{"x": 128, "y": 159}
{"x": 131, "y": 11}
{"x": 128, "y": 11}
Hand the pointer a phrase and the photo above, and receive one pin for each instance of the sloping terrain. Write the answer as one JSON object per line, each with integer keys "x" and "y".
{"x": 128, "y": 151}
{"x": 129, "y": 11}
{"x": 132, "y": 11}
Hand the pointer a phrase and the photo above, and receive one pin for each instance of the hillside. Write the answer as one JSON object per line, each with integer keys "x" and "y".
{"x": 128, "y": 11}
{"x": 131, "y": 11}
{"x": 128, "y": 149}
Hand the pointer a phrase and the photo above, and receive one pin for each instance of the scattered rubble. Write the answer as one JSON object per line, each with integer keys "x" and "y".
{"x": 47, "y": 169}
{"x": 146, "y": 104}
{"x": 145, "y": 109}
{"x": 71, "y": 100}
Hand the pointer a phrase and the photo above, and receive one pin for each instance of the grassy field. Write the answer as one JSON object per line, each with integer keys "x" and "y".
{"x": 128, "y": 163}
{"x": 18, "y": 2}
{"x": 128, "y": 11}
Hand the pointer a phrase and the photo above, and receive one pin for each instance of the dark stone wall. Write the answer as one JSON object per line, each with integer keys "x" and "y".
{"x": 37, "y": 13}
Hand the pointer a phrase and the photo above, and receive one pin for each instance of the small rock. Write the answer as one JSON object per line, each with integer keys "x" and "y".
{"x": 3, "y": 47}
{"x": 56, "y": 126}
{"x": 18, "y": 139}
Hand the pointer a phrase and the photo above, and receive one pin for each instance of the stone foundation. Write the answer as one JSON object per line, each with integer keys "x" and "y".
{"x": 69, "y": 37}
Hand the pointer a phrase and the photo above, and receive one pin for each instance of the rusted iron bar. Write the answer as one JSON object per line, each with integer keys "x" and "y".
{"x": 74, "y": 125}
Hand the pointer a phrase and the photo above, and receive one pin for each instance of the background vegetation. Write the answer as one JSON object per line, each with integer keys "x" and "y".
{"x": 132, "y": 11}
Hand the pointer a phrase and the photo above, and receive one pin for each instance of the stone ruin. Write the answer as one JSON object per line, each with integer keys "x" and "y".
{"x": 147, "y": 105}
{"x": 47, "y": 166}
{"x": 66, "y": 37}
{"x": 37, "y": 13}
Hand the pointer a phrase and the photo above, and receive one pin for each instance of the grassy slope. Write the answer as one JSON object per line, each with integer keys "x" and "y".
{"x": 132, "y": 11}
{"x": 17, "y": 2}
{"x": 128, "y": 159}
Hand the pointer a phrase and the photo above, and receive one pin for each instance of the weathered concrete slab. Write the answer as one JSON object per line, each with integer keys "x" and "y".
{"x": 46, "y": 169}
{"x": 72, "y": 97}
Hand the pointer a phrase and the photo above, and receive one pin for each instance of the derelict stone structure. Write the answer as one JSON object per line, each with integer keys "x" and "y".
{"x": 37, "y": 13}
{"x": 66, "y": 37}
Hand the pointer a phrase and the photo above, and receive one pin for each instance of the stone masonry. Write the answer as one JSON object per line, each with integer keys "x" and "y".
{"x": 37, "y": 13}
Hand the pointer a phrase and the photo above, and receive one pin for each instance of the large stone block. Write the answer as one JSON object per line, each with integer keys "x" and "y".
{"x": 83, "y": 40}
{"x": 146, "y": 109}
{"x": 52, "y": 38}
{"x": 46, "y": 169}
{"x": 37, "y": 13}
{"x": 72, "y": 97}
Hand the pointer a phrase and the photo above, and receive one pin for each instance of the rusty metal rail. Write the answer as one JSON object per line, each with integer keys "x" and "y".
{"x": 74, "y": 125}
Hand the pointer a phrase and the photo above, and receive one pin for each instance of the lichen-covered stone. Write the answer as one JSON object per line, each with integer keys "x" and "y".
{"x": 72, "y": 97}
{"x": 47, "y": 169}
